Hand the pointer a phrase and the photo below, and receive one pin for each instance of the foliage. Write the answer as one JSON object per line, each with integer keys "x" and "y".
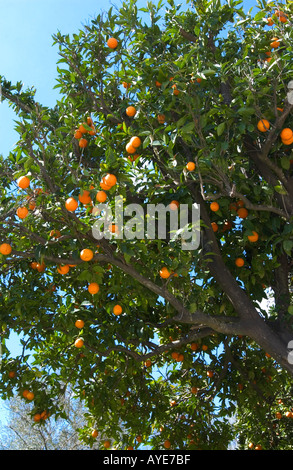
{"x": 210, "y": 69}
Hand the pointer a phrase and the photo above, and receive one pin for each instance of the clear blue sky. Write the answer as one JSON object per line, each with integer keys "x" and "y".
{"x": 27, "y": 54}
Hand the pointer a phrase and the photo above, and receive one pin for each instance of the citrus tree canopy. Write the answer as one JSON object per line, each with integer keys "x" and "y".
{"x": 173, "y": 107}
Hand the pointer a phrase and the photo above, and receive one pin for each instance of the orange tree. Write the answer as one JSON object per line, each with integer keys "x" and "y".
{"x": 166, "y": 346}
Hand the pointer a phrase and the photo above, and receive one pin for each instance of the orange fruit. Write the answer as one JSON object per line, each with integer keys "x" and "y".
{"x": 175, "y": 355}
{"x": 78, "y": 343}
{"x": 112, "y": 43}
{"x": 78, "y": 134}
{"x": 278, "y": 415}
{"x": 30, "y": 396}
{"x": 23, "y": 182}
{"x": 286, "y": 134}
{"x": 5, "y": 249}
{"x": 167, "y": 444}
{"x": 198, "y": 79}
{"x": 275, "y": 43}
{"x": 63, "y": 269}
{"x": 214, "y": 206}
{"x": 190, "y": 166}
{"x": 139, "y": 439}
{"x": 126, "y": 85}
{"x": 104, "y": 186}
{"x": 107, "y": 444}
{"x": 40, "y": 267}
{"x": 32, "y": 205}
{"x": 37, "y": 417}
{"x": 79, "y": 324}
{"x": 254, "y": 237}
{"x": 113, "y": 228}
{"x": 194, "y": 390}
{"x": 71, "y": 204}
{"x": 148, "y": 363}
{"x": 130, "y": 111}
{"x": 287, "y": 142}
{"x": 210, "y": 373}
{"x": 242, "y": 213}
{"x": 110, "y": 180}
{"x": 93, "y": 288}
{"x": 11, "y": 374}
{"x": 25, "y": 392}
{"x": 161, "y": 118}
{"x": 84, "y": 197}
{"x": 263, "y": 125}
{"x": 158, "y": 84}
{"x": 22, "y": 212}
{"x": 164, "y": 273}
{"x": 83, "y": 143}
{"x": 174, "y": 205}
{"x": 95, "y": 433}
{"x": 239, "y": 262}
{"x": 117, "y": 309}
{"x": 55, "y": 234}
{"x": 101, "y": 196}
{"x": 270, "y": 21}
{"x": 86, "y": 254}
{"x": 194, "y": 346}
{"x": 82, "y": 129}
{"x": 129, "y": 148}
{"x": 175, "y": 90}
{"x": 215, "y": 226}
{"x": 135, "y": 141}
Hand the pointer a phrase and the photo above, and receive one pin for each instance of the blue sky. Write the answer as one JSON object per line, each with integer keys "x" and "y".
{"x": 27, "y": 54}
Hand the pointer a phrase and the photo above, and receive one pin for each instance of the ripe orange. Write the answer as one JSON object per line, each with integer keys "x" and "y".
{"x": 288, "y": 142}
{"x": 286, "y": 134}
{"x": 22, "y": 212}
{"x": 270, "y": 21}
{"x": 135, "y": 141}
{"x": 30, "y": 396}
{"x": 110, "y": 180}
{"x": 210, "y": 373}
{"x": 83, "y": 143}
{"x": 101, "y": 196}
{"x": 37, "y": 417}
{"x": 214, "y": 206}
{"x": 86, "y": 254}
{"x": 239, "y": 262}
{"x": 79, "y": 324}
{"x": 278, "y": 415}
{"x": 5, "y": 249}
{"x": 112, "y": 43}
{"x": 167, "y": 444}
{"x": 107, "y": 444}
{"x": 117, "y": 309}
{"x": 164, "y": 273}
{"x": 199, "y": 80}
{"x": 126, "y": 85}
{"x": 215, "y": 226}
{"x": 190, "y": 166}
{"x": 71, "y": 204}
{"x": 242, "y": 213}
{"x": 84, "y": 197}
{"x": 130, "y": 111}
{"x": 139, "y": 439}
{"x": 78, "y": 134}
{"x": 254, "y": 237}
{"x": 275, "y": 43}
{"x": 11, "y": 374}
{"x": 55, "y": 234}
{"x": 23, "y": 182}
{"x": 78, "y": 343}
{"x": 129, "y": 148}
{"x": 82, "y": 129}
{"x": 24, "y": 393}
{"x": 95, "y": 433}
{"x": 175, "y": 355}
{"x": 63, "y": 269}
{"x": 93, "y": 288}
{"x": 263, "y": 125}
{"x": 148, "y": 363}
{"x": 40, "y": 267}
{"x": 194, "y": 390}
{"x": 113, "y": 228}
{"x": 194, "y": 346}
{"x": 175, "y": 90}
{"x": 161, "y": 118}
{"x": 174, "y": 205}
